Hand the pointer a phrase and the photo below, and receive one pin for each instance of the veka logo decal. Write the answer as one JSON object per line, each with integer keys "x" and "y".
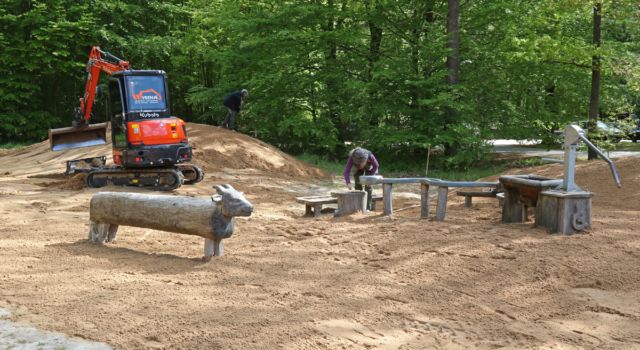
{"x": 148, "y": 95}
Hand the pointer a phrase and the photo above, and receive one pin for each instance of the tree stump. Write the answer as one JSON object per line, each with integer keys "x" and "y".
{"x": 350, "y": 202}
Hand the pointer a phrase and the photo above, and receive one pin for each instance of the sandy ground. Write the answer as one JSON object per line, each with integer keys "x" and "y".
{"x": 293, "y": 282}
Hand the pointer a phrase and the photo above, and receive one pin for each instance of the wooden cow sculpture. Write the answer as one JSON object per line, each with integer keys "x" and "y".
{"x": 211, "y": 219}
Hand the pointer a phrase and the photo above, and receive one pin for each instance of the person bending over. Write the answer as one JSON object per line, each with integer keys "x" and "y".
{"x": 366, "y": 164}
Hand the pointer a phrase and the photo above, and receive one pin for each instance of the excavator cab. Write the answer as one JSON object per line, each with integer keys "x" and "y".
{"x": 143, "y": 132}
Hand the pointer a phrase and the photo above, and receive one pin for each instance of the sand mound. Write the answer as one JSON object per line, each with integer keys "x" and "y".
{"x": 215, "y": 149}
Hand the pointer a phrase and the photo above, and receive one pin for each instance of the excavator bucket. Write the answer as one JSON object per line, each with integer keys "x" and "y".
{"x": 87, "y": 136}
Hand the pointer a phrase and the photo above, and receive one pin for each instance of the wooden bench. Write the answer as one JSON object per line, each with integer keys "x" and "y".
{"x": 313, "y": 204}
{"x": 468, "y": 195}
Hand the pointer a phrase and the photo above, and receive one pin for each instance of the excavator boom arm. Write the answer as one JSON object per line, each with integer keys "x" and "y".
{"x": 81, "y": 133}
{"x": 99, "y": 61}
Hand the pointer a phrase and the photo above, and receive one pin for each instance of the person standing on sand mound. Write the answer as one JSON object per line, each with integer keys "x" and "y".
{"x": 233, "y": 102}
{"x": 366, "y": 164}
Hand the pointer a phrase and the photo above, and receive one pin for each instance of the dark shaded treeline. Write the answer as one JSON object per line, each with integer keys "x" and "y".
{"x": 324, "y": 72}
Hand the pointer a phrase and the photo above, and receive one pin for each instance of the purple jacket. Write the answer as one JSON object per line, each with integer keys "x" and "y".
{"x": 372, "y": 161}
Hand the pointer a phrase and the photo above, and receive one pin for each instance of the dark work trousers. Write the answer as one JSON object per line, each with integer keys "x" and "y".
{"x": 368, "y": 189}
{"x": 230, "y": 119}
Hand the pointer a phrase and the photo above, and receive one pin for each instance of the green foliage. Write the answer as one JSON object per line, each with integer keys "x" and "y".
{"x": 400, "y": 168}
{"x": 12, "y": 145}
{"x": 324, "y": 75}
{"x": 331, "y": 166}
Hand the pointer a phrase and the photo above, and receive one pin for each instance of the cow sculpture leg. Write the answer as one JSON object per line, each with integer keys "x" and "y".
{"x": 102, "y": 233}
{"x": 212, "y": 248}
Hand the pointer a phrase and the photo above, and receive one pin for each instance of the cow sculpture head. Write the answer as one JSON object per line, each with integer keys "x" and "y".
{"x": 233, "y": 203}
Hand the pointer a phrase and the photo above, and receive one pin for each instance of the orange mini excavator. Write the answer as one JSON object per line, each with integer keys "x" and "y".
{"x": 150, "y": 147}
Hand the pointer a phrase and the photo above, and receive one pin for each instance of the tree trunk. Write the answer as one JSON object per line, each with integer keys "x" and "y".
{"x": 331, "y": 82}
{"x": 453, "y": 61}
{"x": 375, "y": 41}
{"x": 594, "y": 105}
{"x": 453, "y": 42}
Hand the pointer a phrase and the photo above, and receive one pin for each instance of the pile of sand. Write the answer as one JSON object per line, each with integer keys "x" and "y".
{"x": 214, "y": 149}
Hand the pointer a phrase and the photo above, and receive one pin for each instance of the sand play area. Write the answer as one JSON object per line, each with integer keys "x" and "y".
{"x": 286, "y": 281}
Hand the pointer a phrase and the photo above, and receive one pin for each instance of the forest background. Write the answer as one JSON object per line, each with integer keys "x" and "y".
{"x": 399, "y": 77}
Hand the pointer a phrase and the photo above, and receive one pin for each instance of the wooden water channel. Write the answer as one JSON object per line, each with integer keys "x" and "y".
{"x": 442, "y": 188}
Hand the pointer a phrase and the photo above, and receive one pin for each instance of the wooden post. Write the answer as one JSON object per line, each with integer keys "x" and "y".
{"x": 441, "y": 210}
{"x": 350, "y": 202}
{"x": 317, "y": 210}
{"x": 424, "y": 200}
{"x": 467, "y": 201}
{"x": 512, "y": 209}
{"x": 387, "y": 198}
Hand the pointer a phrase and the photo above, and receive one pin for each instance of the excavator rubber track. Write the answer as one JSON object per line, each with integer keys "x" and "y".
{"x": 192, "y": 173}
{"x": 162, "y": 179}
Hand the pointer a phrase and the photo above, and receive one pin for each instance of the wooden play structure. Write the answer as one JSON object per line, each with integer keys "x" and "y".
{"x": 442, "y": 188}
{"x": 567, "y": 209}
{"x": 560, "y": 205}
{"x": 521, "y": 193}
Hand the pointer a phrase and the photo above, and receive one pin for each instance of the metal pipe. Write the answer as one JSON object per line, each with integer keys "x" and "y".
{"x": 614, "y": 171}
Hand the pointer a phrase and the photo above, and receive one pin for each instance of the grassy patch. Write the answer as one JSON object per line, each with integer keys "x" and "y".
{"x": 329, "y": 166}
{"x": 409, "y": 169}
{"x": 628, "y": 146}
{"x": 12, "y": 145}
